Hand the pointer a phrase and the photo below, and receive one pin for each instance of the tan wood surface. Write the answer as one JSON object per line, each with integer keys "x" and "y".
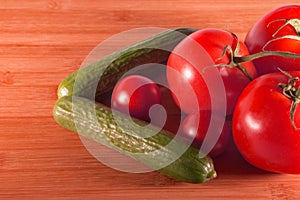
{"x": 42, "y": 42}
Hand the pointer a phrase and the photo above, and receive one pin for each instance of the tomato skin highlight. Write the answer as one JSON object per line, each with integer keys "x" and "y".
{"x": 265, "y": 30}
{"x": 188, "y": 87}
{"x": 182, "y": 59}
{"x": 136, "y": 94}
{"x": 261, "y": 126}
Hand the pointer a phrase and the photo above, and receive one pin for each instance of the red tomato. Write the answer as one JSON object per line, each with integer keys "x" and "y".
{"x": 262, "y": 128}
{"x": 270, "y": 33}
{"x": 196, "y": 54}
{"x": 195, "y": 129}
{"x": 135, "y": 95}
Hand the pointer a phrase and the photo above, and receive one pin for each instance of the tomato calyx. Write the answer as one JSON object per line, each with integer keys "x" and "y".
{"x": 294, "y": 23}
{"x": 289, "y": 90}
{"x": 233, "y": 58}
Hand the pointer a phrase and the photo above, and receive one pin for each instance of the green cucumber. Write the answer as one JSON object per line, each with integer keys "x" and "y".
{"x": 77, "y": 111}
{"x": 99, "y": 77}
{"x": 97, "y": 122}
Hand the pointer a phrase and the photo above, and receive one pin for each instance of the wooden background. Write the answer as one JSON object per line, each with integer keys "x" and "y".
{"x": 42, "y": 41}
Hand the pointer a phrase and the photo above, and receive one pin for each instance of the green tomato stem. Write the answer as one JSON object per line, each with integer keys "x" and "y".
{"x": 292, "y": 93}
{"x": 264, "y": 54}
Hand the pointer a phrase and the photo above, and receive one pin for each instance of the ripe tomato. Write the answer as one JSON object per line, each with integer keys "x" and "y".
{"x": 278, "y": 30}
{"x": 262, "y": 127}
{"x": 135, "y": 95}
{"x": 195, "y": 128}
{"x": 193, "y": 56}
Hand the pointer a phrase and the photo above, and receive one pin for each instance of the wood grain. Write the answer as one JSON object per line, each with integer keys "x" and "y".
{"x": 41, "y": 42}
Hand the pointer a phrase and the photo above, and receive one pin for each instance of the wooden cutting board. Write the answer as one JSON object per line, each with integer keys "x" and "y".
{"x": 42, "y": 42}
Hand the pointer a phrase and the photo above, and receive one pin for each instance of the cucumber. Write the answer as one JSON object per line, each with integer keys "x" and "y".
{"x": 99, "y": 77}
{"x": 97, "y": 122}
{"x": 77, "y": 111}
